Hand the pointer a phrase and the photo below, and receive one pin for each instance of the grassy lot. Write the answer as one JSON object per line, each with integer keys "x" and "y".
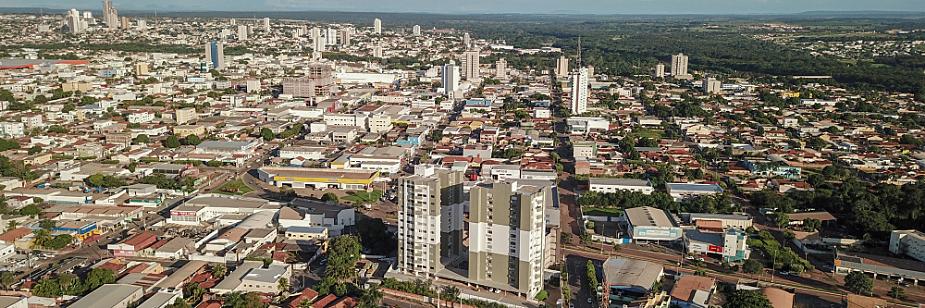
{"x": 235, "y": 187}
{"x": 649, "y": 133}
{"x": 598, "y": 211}
{"x": 363, "y": 197}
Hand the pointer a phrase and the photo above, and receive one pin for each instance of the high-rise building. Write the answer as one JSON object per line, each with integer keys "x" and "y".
{"x": 450, "y": 79}
{"x": 416, "y": 30}
{"x": 562, "y": 66}
{"x": 141, "y": 24}
{"x": 377, "y": 26}
{"x": 330, "y": 37}
{"x": 317, "y": 41}
{"x": 266, "y": 24}
{"x": 110, "y": 15}
{"x": 233, "y": 22}
{"x": 124, "y": 22}
{"x": 377, "y": 51}
{"x": 501, "y": 68}
{"x": 75, "y": 24}
{"x": 579, "y": 93}
{"x": 242, "y": 33}
{"x": 430, "y": 219}
{"x": 659, "y": 70}
{"x": 507, "y": 235}
{"x": 318, "y": 82}
{"x": 215, "y": 54}
{"x": 712, "y": 86}
{"x": 679, "y": 66}
{"x": 346, "y": 35}
{"x": 466, "y": 40}
{"x": 470, "y": 65}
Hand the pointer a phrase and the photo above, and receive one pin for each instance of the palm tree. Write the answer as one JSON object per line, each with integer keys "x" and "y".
{"x": 371, "y": 298}
{"x": 283, "y": 286}
{"x": 12, "y": 225}
{"x": 218, "y": 270}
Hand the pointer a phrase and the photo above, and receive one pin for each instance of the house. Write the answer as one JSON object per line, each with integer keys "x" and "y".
{"x": 692, "y": 291}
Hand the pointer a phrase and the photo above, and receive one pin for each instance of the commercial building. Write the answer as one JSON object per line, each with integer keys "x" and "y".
{"x": 318, "y": 178}
{"x": 681, "y": 191}
{"x": 450, "y": 79}
{"x": 430, "y": 219}
{"x": 628, "y": 281}
{"x": 206, "y": 207}
{"x": 111, "y": 295}
{"x": 312, "y": 213}
{"x": 908, "y": 242}
{"x": 580, "y": 90}
{"x": 507, "y": 235}
{"x": 613, "y": 185}
{"x": 722, "y": 221}
{"x": 133, "y": 245}
{"x": 317, "y": 82}
{"x": 647, "y": 223}
{"x": 215, "y": 54}
{"x": 730, "y": 245}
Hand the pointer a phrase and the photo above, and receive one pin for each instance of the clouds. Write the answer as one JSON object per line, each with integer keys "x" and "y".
{"x": 495, "y": 6}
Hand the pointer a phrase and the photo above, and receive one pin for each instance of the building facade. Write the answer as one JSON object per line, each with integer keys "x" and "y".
{"x": 430, "y": 219}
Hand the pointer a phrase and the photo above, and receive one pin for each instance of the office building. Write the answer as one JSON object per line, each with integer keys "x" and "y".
{"x": 507, "y": 235}
{"x": 712, "y": 86}
{"x": 908, "y": 242}
{"x": 318, "y": 82}
{"x": 659, "y": 70}
{"x": 215, "y": 54}
{"x": 377, "y": 26}
{"x": 430, "y": 219}
{"x": 450, "y": 79}
{"x": 242, "y": 33}
{"x": 562, "y": 66}
{"x": 470, "y": 65}
{"x": 580, "y": 91}
{"x": 679, "y": 66}
{"x": 501, "y": 68}
{"x": 416, "y": 30}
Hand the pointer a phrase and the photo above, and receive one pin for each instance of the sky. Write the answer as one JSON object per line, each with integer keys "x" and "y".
{"x": 602, "y": 7}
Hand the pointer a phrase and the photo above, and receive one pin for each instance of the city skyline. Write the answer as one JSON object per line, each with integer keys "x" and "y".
{"x": 589, "y": 7}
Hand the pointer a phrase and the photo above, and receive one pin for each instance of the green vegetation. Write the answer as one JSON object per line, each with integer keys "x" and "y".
{"x": 236, "y": 187}
{"x": 779, "y": 256}
{"x": 610, "y": 203}
{"x": 164, "y": 182}
{"x": 70, "y": 284}
{"x": 859, "y": 283}
{"x": 108, "y": 181}
{"x": 375, "y": 236}
{"x": 343, "y": 254}
{"x": 243, "y": 300}
{"x": 363, "y": 197}
{"x": 747, "y": 299}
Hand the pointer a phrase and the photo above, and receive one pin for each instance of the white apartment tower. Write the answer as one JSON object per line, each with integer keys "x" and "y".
{"x": 430, "y": 219}
{"x": 712, "y": 86}
{"x": 330, "y": 37}
{"x": 450, "y": 79}
{"x": 579, "y": 92}
{"x": 501, "y": 68}
{"x": 507, "y": 228}
{"x": 659, "y": 70}
{"x": 266, "y": 24}
{"x": 416, "y": 30}
{"x": 470, "y": 65}
{"x": 679, "y": 66}
{"x": 466, "y": 40}
{"x": 110, "y": 15}
{"x": 318, "y": 43}
{"x": 562, "y": 66}
{"x": 242, "y": 33}
{"x": 377, "y": 26}
{"x": 75, "y": 24}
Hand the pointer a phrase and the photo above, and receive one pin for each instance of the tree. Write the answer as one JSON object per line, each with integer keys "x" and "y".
{"x": 35, "y": 150}
{"x": 245, "y": 300}
{"x": 218, "y": 270}
{"x": 179, "y": 303}
{"x": 371, "y": 298}
{"x": 31, "y": 210}
{"x": 343, "y": 253}
{"x": 859, "y": 283}
{"x": 12, "y": 224}
{"x": 267, "y": 134}
{"x": 897, "y": 292}
{"x": 329, "y": 197}
{"x": 172, "y": 142}
{"x": 7, "y": 279}
{"x": 283, "y": 286}
{"x": 141, "y": 139}
{"x": 47, "y": 224}
{"x": 193, "y": 292}
{"x": 747, "y": 299}
{"x": 192, "y": 140}
{"x": 591, "y": 282}
{"x": 98, "y": 277}
{"x": 752, "y": 266}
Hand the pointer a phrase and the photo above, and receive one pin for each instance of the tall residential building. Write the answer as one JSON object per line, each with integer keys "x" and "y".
{"x": 416, "y": 30}
{"x": 562, "y": 66}
{"x": 318, "y": 82}
{"x": 580, "y": 91}
{"x": 377, "y": 51}
{"x": 233, "y": 22}
{"x": 318, "y": 43}
{"x": 450, "y": 79}
{"x": 507, "y": 235}
{"x": 377, "y": 26}
{"x": 242, "y": 33}
{"x": 501, "y": 68}
{"x": 659, "y": 70}
{"x": 330, "y": 36}
{"x": 266, "y": 24}
{"x": 712, "y": 86}
{"x": 679, "y": 66}
{"x": 75, "y": 24}
{"x": 346, "y": 36}
{"x": 466, "y": 40}
{"x": 110, "y": 15}
{"x": 430, "y": 219}
{"x": 470, "y": 65}
{"x": 215, "y": 54}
